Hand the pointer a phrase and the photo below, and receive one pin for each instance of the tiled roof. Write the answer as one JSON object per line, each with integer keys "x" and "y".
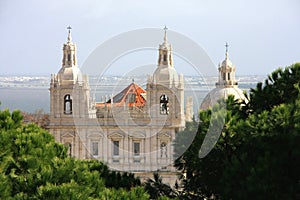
{"x": 132, "y": 95}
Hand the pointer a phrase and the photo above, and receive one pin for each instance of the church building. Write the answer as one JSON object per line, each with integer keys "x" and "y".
{"x": 226, "y": 85}
{"x": 132, "y": 131}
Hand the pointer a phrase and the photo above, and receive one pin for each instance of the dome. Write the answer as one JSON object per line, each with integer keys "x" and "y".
{"x": 221, "y": 93}
{"x": 69, "y": 75}
{"x": 227, "y": 63}
{"x": 166, "y": 76}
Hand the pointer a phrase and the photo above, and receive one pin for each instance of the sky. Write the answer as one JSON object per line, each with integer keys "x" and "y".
{"x": 262, "y": 35}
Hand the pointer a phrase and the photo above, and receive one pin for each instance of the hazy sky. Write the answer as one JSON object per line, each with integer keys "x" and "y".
{"x": 262, "y": 35}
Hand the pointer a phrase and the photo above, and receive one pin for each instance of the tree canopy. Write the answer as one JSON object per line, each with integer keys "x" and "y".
{"x": 34, "y": 166}
{"x": 257, "y": 155}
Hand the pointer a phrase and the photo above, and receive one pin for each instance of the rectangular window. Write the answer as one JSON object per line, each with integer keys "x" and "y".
{"x": 136, "y": 148}
{"x": 228, "y": 76}
{"x": 95, "y": 150}
{"x": 115, "y": 148}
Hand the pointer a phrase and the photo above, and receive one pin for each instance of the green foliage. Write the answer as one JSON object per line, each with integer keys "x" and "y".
{"x": 278, "y": 88}
{"x": 10, "y": 121}
{"x": 257, "y": 155}
{"x": 157, "y": 189}
{"x": 268, "y": 159}
{"x": 113, "y": 179}
{"x": 121, "y": 194}
{"x": 201, "y": 175}
{"x": 34, "y": 166}
{"x": 185, "y": 138}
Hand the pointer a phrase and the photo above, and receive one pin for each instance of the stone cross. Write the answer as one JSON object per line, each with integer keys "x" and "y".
{"x": 69, "y": 28}
{"x": 226, "y": 45}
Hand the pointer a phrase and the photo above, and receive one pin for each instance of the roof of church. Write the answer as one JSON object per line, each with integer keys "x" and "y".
{"x": 221, "y": 93}
{"x": 225, "y": 86}
{"x": 133, "y": 95}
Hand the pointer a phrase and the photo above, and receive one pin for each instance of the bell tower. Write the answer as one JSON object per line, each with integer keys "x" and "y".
{"x": 165, "y": 52}
{"x": 69, "y": 51}
{"x": 165, "y": 89}
{"x": 69, "y": 89}
{"x": 69, "y": 101}
{"x": 226, "y": 73}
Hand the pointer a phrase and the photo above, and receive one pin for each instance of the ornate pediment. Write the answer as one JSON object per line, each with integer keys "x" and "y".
{"x": 67, "y": 135}
{"x": 139, "y": 135}
{"x": 116, "y": 135}
{"x": 163, "y": 135}
{"x": 95, "y": 135}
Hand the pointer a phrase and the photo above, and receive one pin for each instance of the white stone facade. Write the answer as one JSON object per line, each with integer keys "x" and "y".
{"x": 135, "y": 140}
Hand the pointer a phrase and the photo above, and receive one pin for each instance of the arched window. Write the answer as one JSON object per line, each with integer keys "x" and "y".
{"x": 163, "y": 150}
{"x": 69, "y": 57}
{"x": 67, "y": 105}
{"x": 228, "y": 76}
{"x": 224, "y": 76}
{"x": 165, "y": 57}
{"x": 164, "y": 104}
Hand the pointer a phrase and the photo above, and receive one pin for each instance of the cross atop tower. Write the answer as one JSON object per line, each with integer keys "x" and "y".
{"x": 69, "y": 28}
{"x": 165, "y": 51}
{"x": 165, "y": 36}
{"x": 226, "y": 45}
{"x": 69, "y": 34}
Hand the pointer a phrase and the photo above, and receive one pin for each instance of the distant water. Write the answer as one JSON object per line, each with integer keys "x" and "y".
{"x": 25, "y": 99}
{"x": 33, "y": 99}
{"x": 30, "y": 94}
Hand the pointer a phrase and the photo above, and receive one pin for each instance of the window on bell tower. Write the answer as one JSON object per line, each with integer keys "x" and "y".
{"x": 164, "y": 104}
{"x": 69, "y": 57}
{"x": 165, "y": 57}
{"x": 228, "y": 76}
{"x": 67, "y": 105}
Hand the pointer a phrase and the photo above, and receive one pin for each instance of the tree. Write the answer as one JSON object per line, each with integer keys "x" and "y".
{"x": 156, "y": 188}
{"x": 185, "y": 138}
{"x": 34, "y": 166}
{"x": 39, "y": 117}
{"x": 266, "y": 165}
{"x": 257, "y": 155}
{"x": 278, "y": 88}
{"x": 202, "y": 175}
{"x": 113, "y": 179}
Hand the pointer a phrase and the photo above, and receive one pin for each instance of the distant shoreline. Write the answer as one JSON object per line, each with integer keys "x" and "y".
{"x": 29, "y": 94}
